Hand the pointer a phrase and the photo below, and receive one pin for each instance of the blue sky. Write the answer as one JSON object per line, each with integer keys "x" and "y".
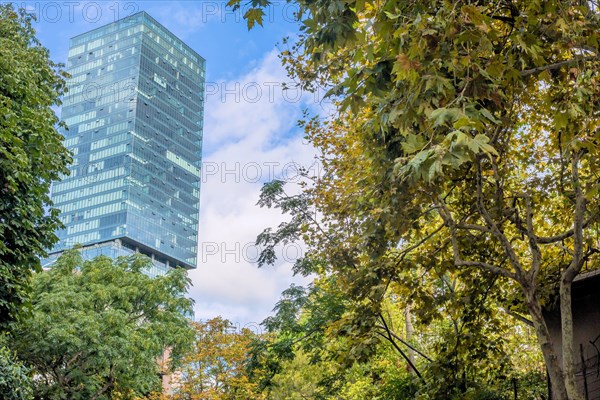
{"x": 211, "y": 28}
{"x": 250, "y": 136}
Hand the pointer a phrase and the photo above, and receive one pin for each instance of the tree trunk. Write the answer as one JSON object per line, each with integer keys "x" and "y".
{"x": 541, "y": 329}
{"x": 409, "y": 335}
{"x": 568, "y": 353}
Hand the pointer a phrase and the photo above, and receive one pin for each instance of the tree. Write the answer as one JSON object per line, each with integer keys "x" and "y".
{"x": 216, "y": 367}
{"x": 31, "y": 156}
{"x": 15, "y": 384}
{"x": 298, "y": 379}
{"x": 99, "y": 326}
{"x": 464, "y": 342}
{"x": 469, "y": 140}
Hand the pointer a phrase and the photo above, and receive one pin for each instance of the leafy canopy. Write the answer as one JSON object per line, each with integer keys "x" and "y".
{"x": 99, "y": 326}
{"x": 467, "y": 138}
{"x": 31, "y": 156}
{"x": 15, "y": 384}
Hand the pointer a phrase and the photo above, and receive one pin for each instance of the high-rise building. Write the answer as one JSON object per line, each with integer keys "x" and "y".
{"x": 134, "y": 112}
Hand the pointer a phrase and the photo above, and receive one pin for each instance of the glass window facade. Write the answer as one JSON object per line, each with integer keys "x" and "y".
{"x": 134, "y": 112}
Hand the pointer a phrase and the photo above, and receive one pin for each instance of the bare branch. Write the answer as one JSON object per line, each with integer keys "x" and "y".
{"x": 536, "y": 254}
{"x": 489, "y": 267}
{"x": 473, "y": 227}
{"x": 560, "y": 64}
{"x": 390, "y": 338}
{"x": 510, "y": 252}
{"x": 580, "y": 205}
{"x": 449, "y": 221}
{"x": 404, "y": 342}
{"x": 562, "y": 236}
{"x": 405, "y": 252}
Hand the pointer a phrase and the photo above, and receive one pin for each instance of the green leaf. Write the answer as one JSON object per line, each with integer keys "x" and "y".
{"x": 254, "y": 16}
{"x": 413, "y": 143}
{"x": 481, "y": 141}
{"x": 442, "y": 115}
{"x": 489, "y": 116}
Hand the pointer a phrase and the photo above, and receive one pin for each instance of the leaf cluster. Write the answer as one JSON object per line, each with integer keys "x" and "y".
{"x": 31, "y": 156}
{"x": 98, "y": 327}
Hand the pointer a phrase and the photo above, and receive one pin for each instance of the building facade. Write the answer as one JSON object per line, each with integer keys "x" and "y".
{"x": 134, "y": 113}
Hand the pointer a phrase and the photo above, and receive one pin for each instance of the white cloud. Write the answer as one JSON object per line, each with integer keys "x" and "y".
{"x": 182, "y": 17}
{"x": 249, "y": 138}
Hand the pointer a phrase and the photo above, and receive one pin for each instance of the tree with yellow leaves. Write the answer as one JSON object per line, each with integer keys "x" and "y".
{"x": 470, "y": 142}
{"x": 216, "y": 367}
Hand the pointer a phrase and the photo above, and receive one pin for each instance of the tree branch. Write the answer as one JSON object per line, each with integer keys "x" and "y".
{"x": 398, "y": 338}
{"x": 562, "y": 236}
{"x": 510, "y": 252}
{"x": 405, "y": 252}
{"x": 578, "y": 219}
{"x": 393, "y": 342}
{"x": 536, "y": 254}
{"x": 567, "y": 277}
{"x": 306, "y": 214}
{"x": 473, "y": 227}
{"x": 107, "y": 385}
{"x": 458, "y": 261}
{"x": 519, "y": 317}
{"x": 560, "y": 64}
{"x": 489, "y": 267}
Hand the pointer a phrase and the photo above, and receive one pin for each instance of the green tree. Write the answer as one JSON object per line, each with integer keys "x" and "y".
{"x": 476, "y": 128}
{"x": 15, "y": 383}
{"x": 298, "y": 379}
{"x": 463, "y": 343}
{"x": 31, "y": 156}
{"x": 99, "y": 326}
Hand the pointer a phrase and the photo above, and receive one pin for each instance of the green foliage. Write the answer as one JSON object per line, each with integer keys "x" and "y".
{"x": 31, "y": 156}
{"x": 298, "y": 380}
{"x": 466, "y": 139}
{"x": 307, "y": 376}
{"x": 15, "y": 384}
{"x": 530, "y": 385}
{"x": 99, "y": 326}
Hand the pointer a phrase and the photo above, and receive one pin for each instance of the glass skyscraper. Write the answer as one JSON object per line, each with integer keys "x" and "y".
{"x": 134, "y": 113}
